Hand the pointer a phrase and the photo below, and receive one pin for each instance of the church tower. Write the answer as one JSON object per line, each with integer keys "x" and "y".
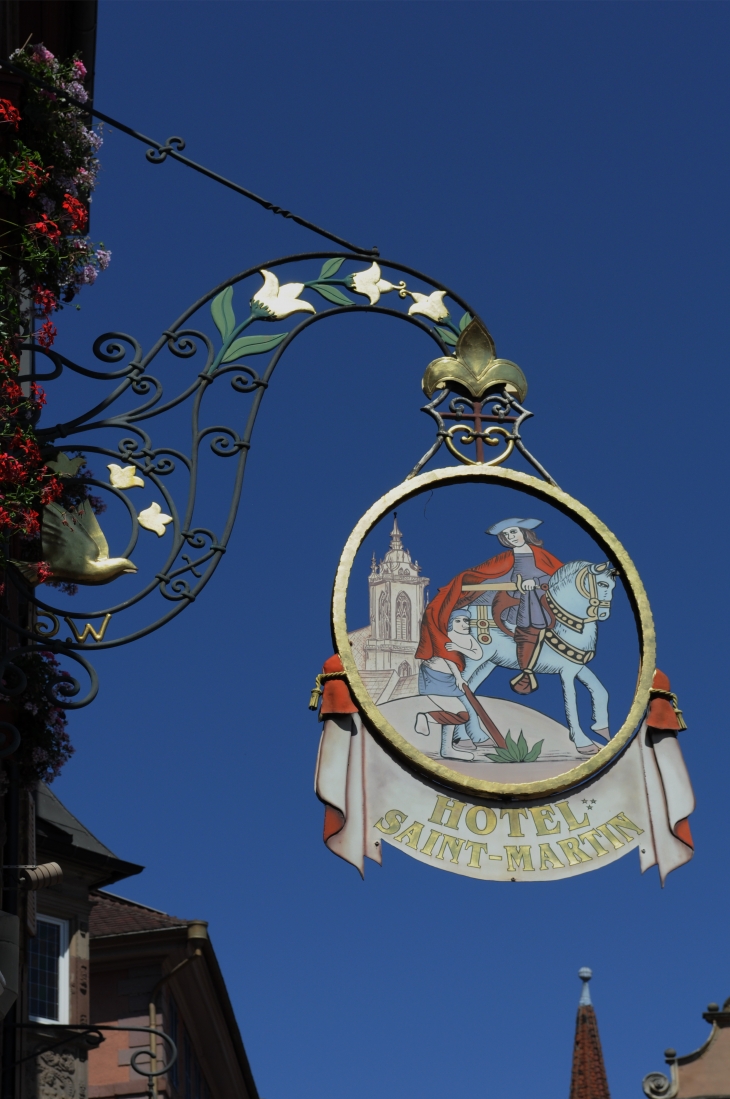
{"x": 588, "y": 1078}
{"x": 396, "y": 609}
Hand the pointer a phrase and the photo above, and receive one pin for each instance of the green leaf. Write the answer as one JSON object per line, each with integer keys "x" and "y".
{"x": 331, "y": 267}
{"x": 446, "y": 335}
{"x": 252, "y": 345}
{"x": 222, "y": 312}
{"x": 534, "y": 752}
{"x": 466, "y": 319}
{"x": 512, "y": 748}
{"x": 522, "y": 745}
{"x": 331, "y": 293}
{"x": 500, "y": 755}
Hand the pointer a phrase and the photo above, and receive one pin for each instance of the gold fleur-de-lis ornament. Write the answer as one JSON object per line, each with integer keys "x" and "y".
{"x": 473, "y": 369}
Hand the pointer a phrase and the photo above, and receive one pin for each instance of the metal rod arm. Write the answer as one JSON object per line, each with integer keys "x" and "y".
{"x": 172, "y": 148}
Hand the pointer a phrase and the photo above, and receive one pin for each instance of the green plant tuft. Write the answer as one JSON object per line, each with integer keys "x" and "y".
{"x": 516, "y": 752}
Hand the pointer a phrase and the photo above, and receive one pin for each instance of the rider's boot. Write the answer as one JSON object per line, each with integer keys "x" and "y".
{"x": 528, "y": 641}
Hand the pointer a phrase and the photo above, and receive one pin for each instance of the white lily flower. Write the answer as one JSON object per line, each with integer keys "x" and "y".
{"x": 124, "y": 476}
{"x": 154, "y": 518}
{"x": 273, "y": 300}
{"x": 429, "y": 305}
{"x": 370, "y": 283}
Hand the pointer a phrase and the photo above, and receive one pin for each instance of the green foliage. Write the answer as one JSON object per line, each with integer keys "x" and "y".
{"x": 252, "y": 345}
{"x": 331, "y": 293}
{"x": 446, "y": 335}
{"x": 221, "y": 309}
{"x": 330, "y": 267}
{"x": 516, "y": 752}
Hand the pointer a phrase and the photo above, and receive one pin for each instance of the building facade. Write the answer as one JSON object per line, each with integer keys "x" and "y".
{"x": 91, "y": 957}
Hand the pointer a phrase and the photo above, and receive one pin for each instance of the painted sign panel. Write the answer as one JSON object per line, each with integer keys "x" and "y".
{"x": 529, "y": 667}
{"x": 641, "y": 802}
{"x": 496, "y": 711}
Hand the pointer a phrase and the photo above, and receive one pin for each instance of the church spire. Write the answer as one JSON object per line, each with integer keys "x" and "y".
{"x": 396, "y": 538}
{"x": 588, "y": 1079}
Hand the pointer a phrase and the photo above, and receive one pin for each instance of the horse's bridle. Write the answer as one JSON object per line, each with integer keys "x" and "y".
{"x": 585, "y": 583}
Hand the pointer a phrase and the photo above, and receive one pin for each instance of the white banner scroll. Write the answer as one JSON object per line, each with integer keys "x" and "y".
{"x": 641, "y": 801}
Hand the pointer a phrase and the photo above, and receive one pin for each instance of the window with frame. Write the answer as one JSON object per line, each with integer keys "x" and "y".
{"x": 48, "y": 971}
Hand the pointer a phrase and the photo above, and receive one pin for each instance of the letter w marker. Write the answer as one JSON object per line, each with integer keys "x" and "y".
{"x": 98, "y": 635}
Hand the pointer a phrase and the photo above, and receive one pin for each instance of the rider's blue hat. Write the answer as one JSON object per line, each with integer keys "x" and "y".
{"x": 527, "y": 524}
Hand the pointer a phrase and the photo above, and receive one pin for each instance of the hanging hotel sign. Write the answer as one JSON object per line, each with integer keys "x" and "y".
{"x": 513, "y": 726}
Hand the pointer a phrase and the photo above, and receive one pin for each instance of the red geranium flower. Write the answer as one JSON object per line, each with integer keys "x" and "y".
{"x": 28, "y": 522}
{"x": 46, "y": 227}
{"x": 45, "y": 300}
{"x": 12, "y": 391}
{"x": 46, "y": 334}
{"x": 38, "y": 395}
{"x": 9, "y": 114}
{"x": 45, "y": 572}
{"x": 33, "y": 175}
{"x": 77, "y": 212}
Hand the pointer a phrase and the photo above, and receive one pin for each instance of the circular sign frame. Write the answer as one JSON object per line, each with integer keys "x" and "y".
{"x": 411, "y": 756}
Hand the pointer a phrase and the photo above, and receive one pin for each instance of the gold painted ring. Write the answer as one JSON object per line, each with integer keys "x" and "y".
{"x": 603, "y": 536}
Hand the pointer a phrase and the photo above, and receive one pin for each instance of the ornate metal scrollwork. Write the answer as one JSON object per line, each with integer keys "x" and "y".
{"x": 216, "y": 347}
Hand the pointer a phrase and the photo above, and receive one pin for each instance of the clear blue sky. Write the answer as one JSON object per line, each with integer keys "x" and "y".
{"x": 564, "y": 167}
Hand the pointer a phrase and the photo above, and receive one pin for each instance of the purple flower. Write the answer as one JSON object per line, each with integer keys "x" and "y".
{"x": 103, "y": 257}
{"x": 94, "y": 139}
{"x": 88, "y": 274}
{"x": 47, "y": 204}
{"x": 40, "y": 53}
{"x": 78, "y": 91}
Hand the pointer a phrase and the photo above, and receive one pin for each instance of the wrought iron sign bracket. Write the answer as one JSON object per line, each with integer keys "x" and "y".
{"x": 220, "y": 338}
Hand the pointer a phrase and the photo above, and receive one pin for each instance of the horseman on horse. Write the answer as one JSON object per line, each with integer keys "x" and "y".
{"x": 513, "y": 584}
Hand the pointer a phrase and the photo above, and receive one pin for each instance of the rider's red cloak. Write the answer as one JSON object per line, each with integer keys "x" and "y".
{"x": 452, "y": 597}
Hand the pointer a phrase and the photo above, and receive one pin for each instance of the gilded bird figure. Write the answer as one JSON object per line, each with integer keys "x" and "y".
{"x": 75, "y": 549}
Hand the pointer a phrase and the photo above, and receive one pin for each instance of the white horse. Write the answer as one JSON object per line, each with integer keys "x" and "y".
{"x": 579, "y": 595}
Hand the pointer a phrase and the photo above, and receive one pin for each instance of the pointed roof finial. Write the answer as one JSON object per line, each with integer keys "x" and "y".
{"x": 585, "y": 975}
{"x": 396, "y": 538}
{"x": 588, "y": 1078}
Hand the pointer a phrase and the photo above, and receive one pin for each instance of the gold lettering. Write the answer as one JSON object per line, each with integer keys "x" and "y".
{"x": 476, "y": 851}
{"x": 450, "y": 806}
{"x": 606, "y": 831}
{"x": 392, "y": 821}
{"x": 518, "y": 857}
{"x": 572, "y": 852}
{"x": 514, "y": 815}
{"x": 592, "y": 837}
{"x": 570, "y": 820}
{"x": 490, "y": 820}
{"x": 98, "y": 635}
{"x": 621, "y": 822}
{"x": 542, "y": 816}
{"x": 430, "y": 843}
{"x": 548, "y": 859}
{"x": 454, "y": 845}
{"x": 411, "y": 836}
